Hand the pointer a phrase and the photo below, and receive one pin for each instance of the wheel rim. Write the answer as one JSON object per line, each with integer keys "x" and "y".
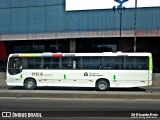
{"x": 102, "y": 85}
{"x": 30, "y": 84}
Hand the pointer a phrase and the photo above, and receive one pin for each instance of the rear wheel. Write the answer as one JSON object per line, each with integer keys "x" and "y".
{"x": 30, "y": 84}
{"x": 102, "y": 85}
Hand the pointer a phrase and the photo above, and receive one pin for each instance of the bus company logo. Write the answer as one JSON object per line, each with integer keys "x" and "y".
{"x": 6, "y": 114}
{"x": 85, "y": 74}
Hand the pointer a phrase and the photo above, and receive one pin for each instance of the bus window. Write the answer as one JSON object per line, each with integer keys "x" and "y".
{"x": 55, "y": 63}
{"x": 38, "y": 64}
{"x": 71, "y": 63}
{"x": 113, "y": 63}
{"x": 78, "y": 62}
{"x": 15, "y": 66}
{"x": 130, "y": 63}
{"x": 25, "y": 62}
{"x": 92, "y": 62}
{"x": 67, "y": 63}
{"x": 136, "y": 63}
{"x": 47, "y": 62}
{"x": 34, "y": 63}
{"x": 142, "y": 63}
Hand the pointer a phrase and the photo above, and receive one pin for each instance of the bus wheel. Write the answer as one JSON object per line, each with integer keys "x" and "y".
{"x": 102, "y": 85}
{"x": 30, "y": 84}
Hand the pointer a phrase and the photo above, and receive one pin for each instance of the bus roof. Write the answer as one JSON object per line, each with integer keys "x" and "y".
{"x": 79, "y": 54}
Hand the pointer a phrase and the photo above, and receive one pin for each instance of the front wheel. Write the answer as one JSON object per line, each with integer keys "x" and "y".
{"x": 102, "y": 85}
{"x": 30, "y": 84}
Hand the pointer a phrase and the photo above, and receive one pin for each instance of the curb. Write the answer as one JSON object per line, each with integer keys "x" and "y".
{"x": 90, "y": 95}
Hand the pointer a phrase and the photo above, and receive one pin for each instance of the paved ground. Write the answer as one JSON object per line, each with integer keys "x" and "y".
{"x": 87, "y": 94}
{"x": 2, "y": 79}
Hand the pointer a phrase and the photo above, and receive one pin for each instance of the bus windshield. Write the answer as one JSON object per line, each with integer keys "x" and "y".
{"x": 14, "y": 66}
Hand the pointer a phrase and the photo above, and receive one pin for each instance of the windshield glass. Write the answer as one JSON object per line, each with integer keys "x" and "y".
{"x": 14, "y": 66}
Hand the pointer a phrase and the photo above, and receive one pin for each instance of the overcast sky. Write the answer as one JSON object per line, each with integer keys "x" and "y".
{"x": 107, "y": 4}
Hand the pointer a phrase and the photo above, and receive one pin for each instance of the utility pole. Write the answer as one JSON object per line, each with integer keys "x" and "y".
{"x": 120, "y": 9}
{"x": 121, "y": 22}
{"x": 135, "y": 27}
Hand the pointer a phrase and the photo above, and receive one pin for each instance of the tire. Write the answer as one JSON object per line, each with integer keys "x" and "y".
{"x": 30, "y": 84}
{"x": 102, "y": 85}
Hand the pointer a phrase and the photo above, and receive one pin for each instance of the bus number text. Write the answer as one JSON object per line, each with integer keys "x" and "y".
{"x": 37, "y": 73}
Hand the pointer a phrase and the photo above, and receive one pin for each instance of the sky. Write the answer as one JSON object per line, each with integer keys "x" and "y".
{"x": 107, "y": 4}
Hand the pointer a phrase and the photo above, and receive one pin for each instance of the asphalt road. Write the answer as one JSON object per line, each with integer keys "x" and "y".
{"x": 79, "y": 108}
{"x": 138, "y": 89}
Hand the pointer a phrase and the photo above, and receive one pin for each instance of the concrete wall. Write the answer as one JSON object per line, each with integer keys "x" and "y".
{"x": 156, "y": 79}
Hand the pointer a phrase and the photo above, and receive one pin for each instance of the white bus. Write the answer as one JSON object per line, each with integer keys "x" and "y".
{"x": 99, "y": 70}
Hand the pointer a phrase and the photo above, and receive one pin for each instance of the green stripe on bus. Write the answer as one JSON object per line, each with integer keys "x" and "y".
{"x": 65, "y": 76}
{"x": 20, "y": 76}
{"x": 150, "y": 63}
{"x": 114, "y": 77}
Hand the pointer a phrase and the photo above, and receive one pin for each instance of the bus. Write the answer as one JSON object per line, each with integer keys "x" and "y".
{"x": 99, "y": 70}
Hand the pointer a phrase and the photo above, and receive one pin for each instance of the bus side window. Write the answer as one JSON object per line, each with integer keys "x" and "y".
{"x": 78, "y": 66}
{"x": 112, "y": 63}
{"x": 47, "y": 62}
{"x": 34, "y": 62}
{"x": 55, "y": 63}
{"x": 92, "y": 62}
{"x": 136, "y": 63}
{"x": 25, "y": 62}
{"x": 38, "y": 62}
{"x": 67, "y": 63}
